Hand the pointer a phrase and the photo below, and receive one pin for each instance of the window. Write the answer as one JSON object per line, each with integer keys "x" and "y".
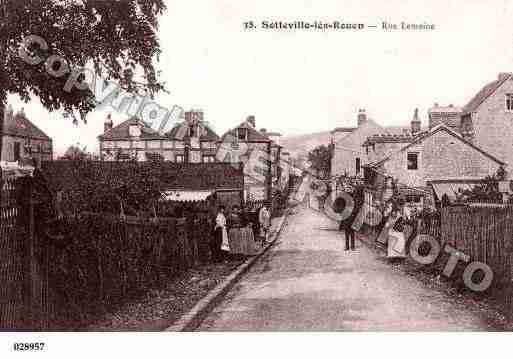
{"x": 358, "y": 165}
{"x": 413, "y": 161}
{"x": 509, "y": 102}
{"x": 179, "y": 158}
{"x": 134, "y": 131}
{"x": 242, "y": 134}
{"x": 208, "y": 158}
{"x": 17, "y": 151}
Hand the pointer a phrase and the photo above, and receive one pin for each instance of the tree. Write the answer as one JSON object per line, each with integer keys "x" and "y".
{"x": 74, "y": 152}
{"x": 320, "y": 158}
{"x": 117, "y": 39}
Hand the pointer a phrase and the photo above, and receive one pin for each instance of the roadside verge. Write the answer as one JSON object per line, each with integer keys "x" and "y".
{"x": 193, "y": 318}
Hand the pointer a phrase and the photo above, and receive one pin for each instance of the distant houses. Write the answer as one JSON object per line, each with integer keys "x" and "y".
{"x": 260, "y": 155}
{"x": 22, "y": 140}
{"x": 191, "y": 141}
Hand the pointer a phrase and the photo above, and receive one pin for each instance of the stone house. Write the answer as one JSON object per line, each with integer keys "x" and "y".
{"x": 487, "y": 119}
{"x": 438, "y": 155}
{"x": 349, "y": 155}
{"x": 190, "y": 141}
{"x": 22, "y": 140}
{"x": 259, "y": 154}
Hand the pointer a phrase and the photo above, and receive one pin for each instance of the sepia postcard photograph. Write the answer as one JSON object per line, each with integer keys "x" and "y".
{"x": 336, "y": 173}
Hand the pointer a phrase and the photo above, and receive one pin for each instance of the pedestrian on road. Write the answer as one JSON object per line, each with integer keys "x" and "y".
{"x": 264, "y": 218}
{"x": 346, "y": 224}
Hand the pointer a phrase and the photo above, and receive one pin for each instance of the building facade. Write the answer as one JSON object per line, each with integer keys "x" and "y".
{"x": 349, "y": 155}
{"x": 259, "y": 155}
{"x": 24, "y": 141}
{"x": 438, "y": 155}
{"x": 190, "y": 141}
{"x": 487, "y": 119}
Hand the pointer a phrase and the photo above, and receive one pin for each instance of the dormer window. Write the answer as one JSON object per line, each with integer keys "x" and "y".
{"x": 134, "y": 131}
{"x": 242, "y": 134}
{"x": 509, "y": 102}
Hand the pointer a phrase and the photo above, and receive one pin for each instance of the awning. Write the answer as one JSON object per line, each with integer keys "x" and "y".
{"x": 186, "y": 196}
{"x": 451, "y": 189}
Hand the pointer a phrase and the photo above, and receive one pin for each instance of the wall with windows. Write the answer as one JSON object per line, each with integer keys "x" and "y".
{"x": 15, "y": 148}
{"x": 439, "y": 156}
{"x": 493, "y": 125}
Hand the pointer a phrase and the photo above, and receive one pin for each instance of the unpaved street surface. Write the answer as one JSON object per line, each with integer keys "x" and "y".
{"x": 308, "y": 282}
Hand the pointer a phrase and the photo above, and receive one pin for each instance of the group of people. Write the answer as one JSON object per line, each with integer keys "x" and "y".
{"x": 239, "y": 233}
{"x": 393, "y": 230}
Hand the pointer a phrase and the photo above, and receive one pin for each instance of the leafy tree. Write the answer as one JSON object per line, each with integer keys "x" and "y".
{"x": 74, "y": 152}
{"x": 118, "y": 39}
{"x": 487, "y": 191}
{"x": 320, "y": 158}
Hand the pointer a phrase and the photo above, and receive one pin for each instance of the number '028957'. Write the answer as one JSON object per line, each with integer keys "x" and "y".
{"x": 28, "y": 346}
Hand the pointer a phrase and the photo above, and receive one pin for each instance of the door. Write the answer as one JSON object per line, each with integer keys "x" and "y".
{"x": 17, "y": 151}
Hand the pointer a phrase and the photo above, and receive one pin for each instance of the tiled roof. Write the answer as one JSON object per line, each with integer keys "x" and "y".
{"x": 253, "y": 134}
{"x": 386, "y": 138}
{"x": 343, "y": 129}
{"x": 485, "y": 92}
{"x": 445, "y": 109}
{"x": 207, "y": 135}
{"x": 19, "y": 125}
{"x": 121, "y": 131}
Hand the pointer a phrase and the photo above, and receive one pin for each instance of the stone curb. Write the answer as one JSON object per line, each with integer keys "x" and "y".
{"x": 191, "y": 320}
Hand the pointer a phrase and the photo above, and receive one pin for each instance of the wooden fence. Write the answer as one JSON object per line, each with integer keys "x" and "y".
{"x": 57, "y": 274}
{"x": 485, "y": 234}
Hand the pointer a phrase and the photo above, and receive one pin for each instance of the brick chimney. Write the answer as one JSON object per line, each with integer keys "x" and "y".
{"x": 251, "y": 121}
{"x": 193, "y": 116}
{"x": 362, "y": 117}
{"x": 107, "y": 125}
{"x": 504, "y": 75}
{"x": 415, "y": 123}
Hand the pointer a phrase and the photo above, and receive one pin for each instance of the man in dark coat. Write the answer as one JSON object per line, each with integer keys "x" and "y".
{"x": 346, "y": 224}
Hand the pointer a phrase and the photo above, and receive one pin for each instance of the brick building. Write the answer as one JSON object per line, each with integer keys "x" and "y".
{"x": 487, "y": 119}
{"x": 22, "y": 140}
{"x": 191, "y": 141}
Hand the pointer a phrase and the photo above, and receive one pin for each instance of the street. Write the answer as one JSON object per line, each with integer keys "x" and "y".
{"x": 308, "y": 282}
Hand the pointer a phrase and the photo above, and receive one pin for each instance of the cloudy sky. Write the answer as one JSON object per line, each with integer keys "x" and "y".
{"x": 298, "y": 82}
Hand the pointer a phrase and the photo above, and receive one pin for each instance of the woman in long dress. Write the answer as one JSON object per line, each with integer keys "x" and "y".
{"x": 396, "y": 246}
{"x": 220, "y": 244}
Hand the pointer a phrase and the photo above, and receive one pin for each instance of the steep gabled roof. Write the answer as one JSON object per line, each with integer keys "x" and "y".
{"x": 253, "y": 134}
{"x": 19, "y": 125}
{"x": 207, "y": 135}
{"x": 430, "y": 133}
{"x": 485, "y": 92}
{"x": 122, "y": 131}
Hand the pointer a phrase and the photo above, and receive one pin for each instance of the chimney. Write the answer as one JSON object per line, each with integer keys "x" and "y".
{"x": 251, "y": 121}
{"x": 362, "y": 117}
{"x": 107, "y": 125}
{"x": 504, "y": 75}
{"x": 193, "y": 116}
{"x": 415, "y": 123}
{"x": 8, "y": 115}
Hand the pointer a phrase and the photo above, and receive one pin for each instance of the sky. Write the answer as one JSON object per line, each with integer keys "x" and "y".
{"x": 298, "y": 82}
